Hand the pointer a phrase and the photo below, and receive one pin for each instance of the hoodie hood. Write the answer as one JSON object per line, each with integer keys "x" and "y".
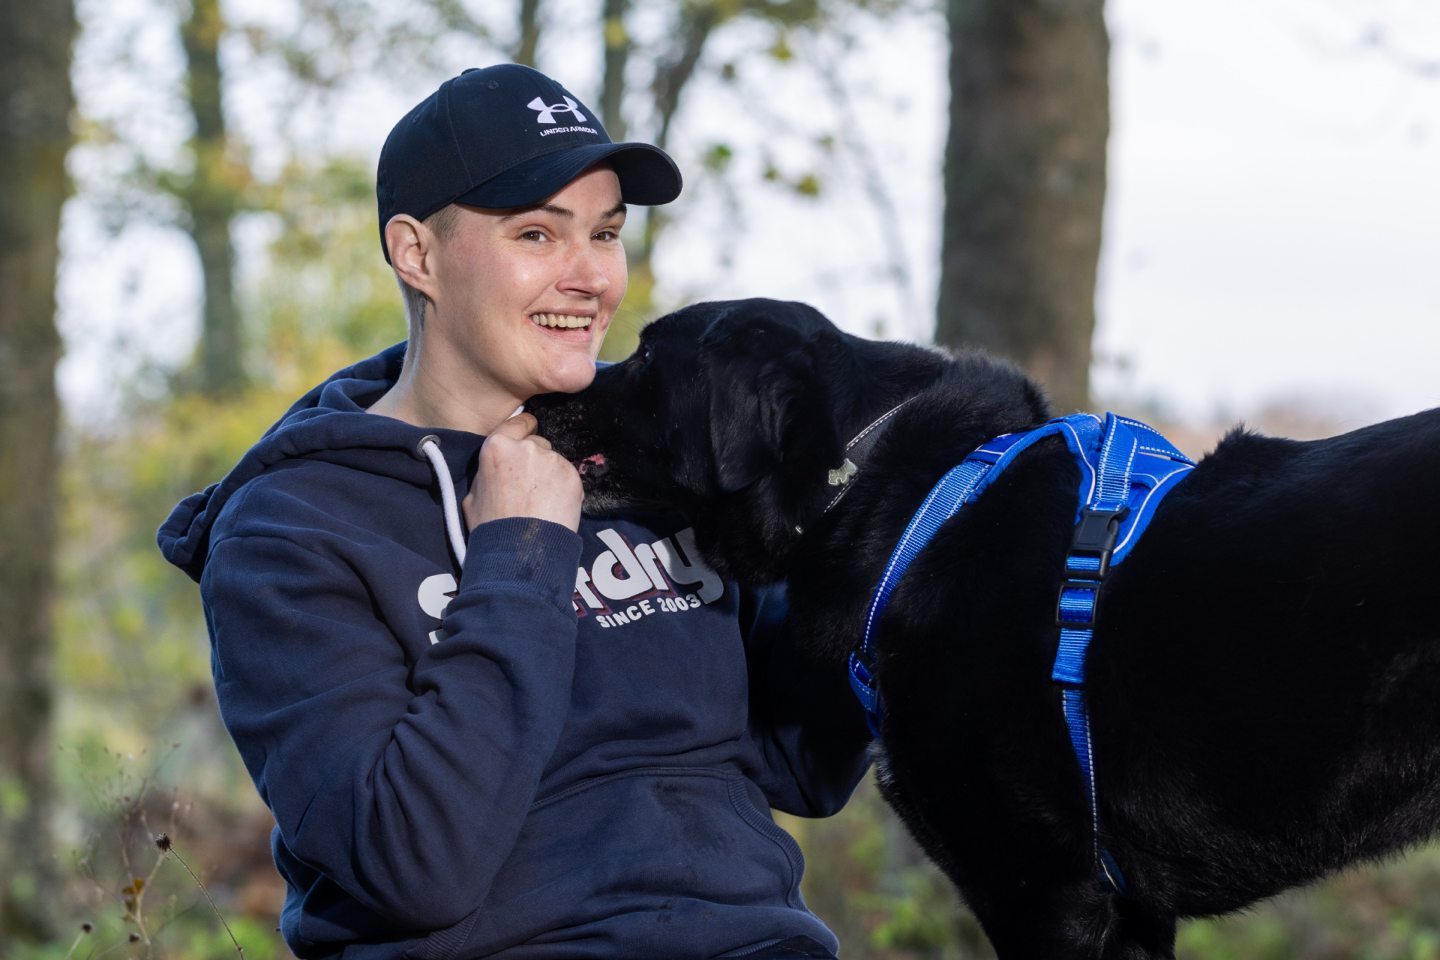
{"x": 330, "y": 422}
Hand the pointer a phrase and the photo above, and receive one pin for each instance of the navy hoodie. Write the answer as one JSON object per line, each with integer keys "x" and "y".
{"x": 568, "y": 747}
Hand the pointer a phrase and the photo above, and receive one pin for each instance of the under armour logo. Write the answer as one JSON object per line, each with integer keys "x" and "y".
{"x": 547, "y": 111}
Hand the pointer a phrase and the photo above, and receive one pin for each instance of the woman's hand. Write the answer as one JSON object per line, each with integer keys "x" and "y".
{"x": 520, "y": 475}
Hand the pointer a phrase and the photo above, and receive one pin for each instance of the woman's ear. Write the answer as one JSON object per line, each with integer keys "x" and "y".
{"x": 409, "y": 242}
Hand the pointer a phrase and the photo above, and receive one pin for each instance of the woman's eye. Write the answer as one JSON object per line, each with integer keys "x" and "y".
{"x": 607, "y": 236}
{"x": 535, "y": 235}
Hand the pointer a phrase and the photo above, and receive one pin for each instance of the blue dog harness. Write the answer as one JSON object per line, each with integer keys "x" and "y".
{"x": 1126, "y": 468}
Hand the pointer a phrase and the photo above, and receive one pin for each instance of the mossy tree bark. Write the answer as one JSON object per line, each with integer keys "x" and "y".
{"x": 36, "y": 102}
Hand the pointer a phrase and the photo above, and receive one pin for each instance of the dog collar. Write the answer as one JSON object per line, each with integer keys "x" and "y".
{"x": 859, "y": 446}
{"x": 1126, "y": 468}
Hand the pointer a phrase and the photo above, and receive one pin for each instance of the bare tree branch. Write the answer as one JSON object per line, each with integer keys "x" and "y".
{"x": 873, "y": 179}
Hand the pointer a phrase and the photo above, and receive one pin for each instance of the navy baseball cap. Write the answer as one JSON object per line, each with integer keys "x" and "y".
{"x": 504, "y": 137}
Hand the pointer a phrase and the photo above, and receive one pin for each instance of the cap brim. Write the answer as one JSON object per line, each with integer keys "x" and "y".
{"x": 647, "y": 176}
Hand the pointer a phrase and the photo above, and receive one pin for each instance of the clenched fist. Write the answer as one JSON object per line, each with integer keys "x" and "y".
{"x": 519, "y": 475}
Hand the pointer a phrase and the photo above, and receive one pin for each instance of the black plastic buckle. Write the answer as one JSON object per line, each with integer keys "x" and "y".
{"x": 1095, "y": 536}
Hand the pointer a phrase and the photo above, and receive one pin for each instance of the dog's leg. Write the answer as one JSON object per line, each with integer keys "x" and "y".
{"x": 1030, "y": 880}
{"x": 1141, "y": 934}
{"x": 1077, "y": 921}
{"x": 1057, "y": 923}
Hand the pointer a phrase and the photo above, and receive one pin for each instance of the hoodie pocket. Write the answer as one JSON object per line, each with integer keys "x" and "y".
{"x": 610, "y": 857}
{"x": 749, "y": 802}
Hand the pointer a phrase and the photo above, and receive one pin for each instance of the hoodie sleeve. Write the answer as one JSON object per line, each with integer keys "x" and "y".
{"x": 810, "y": 730}
{"x": 404, "y": 783}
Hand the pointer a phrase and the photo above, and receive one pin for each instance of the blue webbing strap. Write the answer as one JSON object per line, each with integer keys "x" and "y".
{"x": 1125, "y": 475}
{"x": 945, "y": 498}
{"x": 1103, "y": 504}
{"x": 1126, "y": 468}
{"x": 958, "y": 486}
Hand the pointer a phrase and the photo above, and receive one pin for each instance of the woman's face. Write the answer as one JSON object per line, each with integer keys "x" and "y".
{"x": 525, "y": 297}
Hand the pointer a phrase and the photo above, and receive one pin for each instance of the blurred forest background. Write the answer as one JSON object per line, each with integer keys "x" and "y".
{"x": 221, "y": 132}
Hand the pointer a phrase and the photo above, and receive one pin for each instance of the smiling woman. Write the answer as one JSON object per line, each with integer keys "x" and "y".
{"x": 519, "y": 302}
{"x": 477, "y": 732}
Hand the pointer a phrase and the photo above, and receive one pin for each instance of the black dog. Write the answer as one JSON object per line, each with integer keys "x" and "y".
{"x": 1265, "y": 676}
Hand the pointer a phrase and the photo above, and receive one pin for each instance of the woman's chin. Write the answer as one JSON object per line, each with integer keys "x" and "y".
{"x": 571, "y": 377}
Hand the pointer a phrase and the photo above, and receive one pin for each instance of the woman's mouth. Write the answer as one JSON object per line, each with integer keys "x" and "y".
{"x": 561, "y": 321}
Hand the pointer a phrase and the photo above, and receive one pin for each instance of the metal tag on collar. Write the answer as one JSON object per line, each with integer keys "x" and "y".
{"x": 839, "y": 477}
{"x": 843, "y": 474}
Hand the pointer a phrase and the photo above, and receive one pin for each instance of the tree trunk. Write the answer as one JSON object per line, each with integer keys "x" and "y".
{"x": 1025, "y": 185}
{"x": 529, "y": 33}
{"x": 212, "y": 199}
{"x": 35, "y": 106}
{"x": 617, "y": 57}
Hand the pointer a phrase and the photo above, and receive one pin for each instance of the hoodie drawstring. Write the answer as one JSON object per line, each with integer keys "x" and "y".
{"x": 430, "y": 446}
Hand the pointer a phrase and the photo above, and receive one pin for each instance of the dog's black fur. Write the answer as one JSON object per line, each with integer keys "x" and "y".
{"x": 1265, "y": 678}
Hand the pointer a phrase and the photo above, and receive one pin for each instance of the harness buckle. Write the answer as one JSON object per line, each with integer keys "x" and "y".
{"x": 1094, "y": 542}
{"x": 1078, "y": 605}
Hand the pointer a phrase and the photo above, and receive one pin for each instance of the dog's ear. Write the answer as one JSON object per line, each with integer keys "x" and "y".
{"x": 748, "y": 423}
{"x": 767, "y": 404}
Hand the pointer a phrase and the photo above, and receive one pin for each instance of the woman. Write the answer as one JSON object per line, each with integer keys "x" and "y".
{"x": 487, "y": 726}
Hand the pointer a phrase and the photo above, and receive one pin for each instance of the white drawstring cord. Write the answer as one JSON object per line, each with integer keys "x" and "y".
{"x": 430, "y": 446}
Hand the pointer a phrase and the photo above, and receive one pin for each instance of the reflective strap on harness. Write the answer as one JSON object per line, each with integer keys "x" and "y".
{"x": 958, "y": 486}
{"x": 1104, "y": 504}
{"x": 1126, "y": 469}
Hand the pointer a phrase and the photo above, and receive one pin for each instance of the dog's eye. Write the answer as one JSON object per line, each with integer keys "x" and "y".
{"x": 642, "y": 353}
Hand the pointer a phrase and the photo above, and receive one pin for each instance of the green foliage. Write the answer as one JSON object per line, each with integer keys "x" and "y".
{"x": 615, "y": 32}
{"x": 326, "y": 297}
{"x": 142, "y": 749}
{"x": 804, "y": 184}
{"x": 917, "y": 918}
{"x": 807, "y": 185}
{"x": 1371, "y": 913}
{"x": 257, "y": 941}
{"x": 132, "y": 641}
{"x": 866, "y": 878}
{"x": 188, "y": 934}
{"x": 127, "y": 894}
{"x": 717, "y": 158}
{"x": 14, "y": 803}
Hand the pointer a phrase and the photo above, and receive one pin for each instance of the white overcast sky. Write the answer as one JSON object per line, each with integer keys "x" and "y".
{"x": 1272, "y": 226}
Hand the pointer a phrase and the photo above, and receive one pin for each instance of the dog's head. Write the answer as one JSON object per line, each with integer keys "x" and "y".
{"x": 724, "y": 412}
